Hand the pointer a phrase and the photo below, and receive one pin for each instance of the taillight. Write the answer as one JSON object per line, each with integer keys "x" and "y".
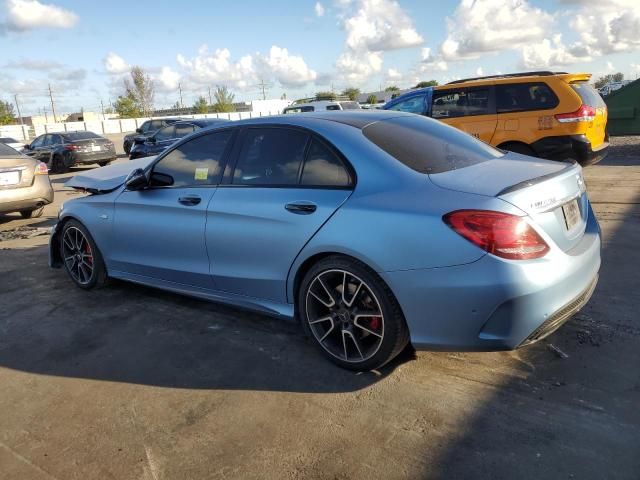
{"x": 584, "y": 114}
{"x": 41, "y": 169}
{"x": 71, "y": 147}
{"x": 501, "y": 234}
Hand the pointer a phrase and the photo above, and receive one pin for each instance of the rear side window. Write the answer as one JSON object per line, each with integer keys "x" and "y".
{"x": 460, "y": 103}
{"x": 165, "y": 133}
{"x": 298, "y": 109}
{"x": 323, "y": 168}
{"x": 183, "y": 130}
{"x": 350, "y": 105}
{"x": 588, "y": 94}
{"x": 522, "y": 97}
{"x": 270, "y": 156}
{"x": 196, "y": 162}
{"x": 333, "y": 107}
{"x": 428, "y": 146}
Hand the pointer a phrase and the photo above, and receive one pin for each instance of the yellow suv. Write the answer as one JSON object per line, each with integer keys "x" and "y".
{"x": 553, "y": 115}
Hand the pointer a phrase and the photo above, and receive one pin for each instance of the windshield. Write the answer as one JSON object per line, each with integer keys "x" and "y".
{"x": 428, "y": 146}
{"x": 73, "y": 136}
{"x": 8, "y": 140}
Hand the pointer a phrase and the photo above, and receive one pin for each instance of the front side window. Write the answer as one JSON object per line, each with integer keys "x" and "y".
{"x": 37, "y": 142}
{"x": 196, "y": 162}
{"x": 323, "y": 168}
{"x": 55, "y": 140}
{"x": 333, "y": 107}
{"x": 270, "y": 156}
{"x": 156, "y": 125}
{"x": 412, "y": 105}
{"x": 166, "y": 133}
{"x": 459, "y": 103}
{"x": 521, "y": 97}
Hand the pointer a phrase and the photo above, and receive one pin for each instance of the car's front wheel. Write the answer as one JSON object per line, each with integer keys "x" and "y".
{"x": 33, "y": 213}
{"x": 104, "y": 164}
{"x": 351, "y": 314}
{"x": 81, "y": 258}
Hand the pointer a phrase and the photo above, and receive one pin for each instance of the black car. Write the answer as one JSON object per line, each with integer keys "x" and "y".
{"x": 156, "y": 143}
{"x": 66, "y": 149}
{"x": 145, "y": 130}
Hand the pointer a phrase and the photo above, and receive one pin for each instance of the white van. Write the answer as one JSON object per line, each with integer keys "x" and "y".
{"x": 321, "y": 105}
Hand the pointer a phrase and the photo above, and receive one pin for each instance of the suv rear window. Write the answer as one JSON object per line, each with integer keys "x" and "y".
{"x": 588, "y": 94}
{"x": 428, "y": 146}
{"x": 522, "y": 97}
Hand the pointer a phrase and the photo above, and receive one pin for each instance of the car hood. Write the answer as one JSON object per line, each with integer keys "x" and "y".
{"x": 107, "y": 179}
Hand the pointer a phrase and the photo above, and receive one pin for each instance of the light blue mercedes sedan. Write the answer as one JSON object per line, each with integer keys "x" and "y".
{"x": 372, "y": 228}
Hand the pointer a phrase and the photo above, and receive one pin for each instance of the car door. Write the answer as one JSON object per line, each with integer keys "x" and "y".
{"x": 469, "y": 109}
{"x": 35, "y": 146}
{"x": 159, "y": 232}
{"x": 285, "y": 185}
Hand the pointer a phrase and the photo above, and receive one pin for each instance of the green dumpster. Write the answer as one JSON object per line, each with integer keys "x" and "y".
{"x": 624, "y": 110}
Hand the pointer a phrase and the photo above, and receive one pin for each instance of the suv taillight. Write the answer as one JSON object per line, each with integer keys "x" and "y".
{"x": 501, "y": 234}
{"x": 41, "y": 169}
{"x": 584, "y": 114}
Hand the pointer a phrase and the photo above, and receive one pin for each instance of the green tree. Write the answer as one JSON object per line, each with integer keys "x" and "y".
{"x": 372, "y": 99}
{"x": 140, "y": 89}
{"x": 392, "y": 88}
{"x": 430, "y": 83}
{"x": 602, "y": 81}
{"x": 127, "y": 107}
{"x": 224, "y": 100}
{"x": 325, "y": 96}
{"x": 7, "y": 116}
{"x": 351, "y": 92}
{"x": 201, "y": 105}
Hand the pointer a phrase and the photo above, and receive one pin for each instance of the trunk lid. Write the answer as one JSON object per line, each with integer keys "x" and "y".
{"x": 552, "y": 194}
{"x": 16, "y": 170}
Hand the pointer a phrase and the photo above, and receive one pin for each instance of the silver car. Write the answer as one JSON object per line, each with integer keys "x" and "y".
{"x": 24, "y": 184}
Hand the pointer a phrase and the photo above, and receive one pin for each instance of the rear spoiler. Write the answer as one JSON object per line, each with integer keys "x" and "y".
{"x": 576, "y": 77}
{"x": 535, "y": 181}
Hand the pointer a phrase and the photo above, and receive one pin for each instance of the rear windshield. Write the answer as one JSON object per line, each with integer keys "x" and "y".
{"x": 428, "y": 146}
{"x": 588, "y": 94}
{"x": 298, "y": 109}
{"x": 349, "y": 105}
{"x": 8, "y": 140}
{"x": 80, "y": 136}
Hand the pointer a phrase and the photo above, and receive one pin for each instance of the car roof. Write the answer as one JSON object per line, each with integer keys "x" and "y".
{"x": 354, "y": 118}
{"x": 521, "y": 77}
{"x": 201, "y": 122}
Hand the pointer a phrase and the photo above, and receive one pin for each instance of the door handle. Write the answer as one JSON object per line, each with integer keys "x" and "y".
{"x": 190, "y": 200}
{"x": 301, "y": 208}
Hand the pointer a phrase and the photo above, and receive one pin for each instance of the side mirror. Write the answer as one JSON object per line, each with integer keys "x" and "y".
{"x": 27, "y": 146}
{"x": 160, "y": 180}
{"x": 138, "y": 130}
{"x": 136, "y": 180}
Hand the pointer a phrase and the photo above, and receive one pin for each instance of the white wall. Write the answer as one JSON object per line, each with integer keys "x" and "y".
{"x": 19, "y": 132}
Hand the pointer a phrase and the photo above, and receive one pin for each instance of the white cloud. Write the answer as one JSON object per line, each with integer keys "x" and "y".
{"x": 167, "y": 80}
{"x": 319, "y": 9}
{"x": 552, "y": 53}
{"x": 357, "y": 67}
{"x": 29, "y": 14}
{"x": 289, "y": 70}
{"x": 479, "y": 71}
{"x": 491, "y": 26}
{"x": 393, "y": 75}
{"x": 431, "y": 62}
{"x": 115, "y": 64}
{"x": 380, "y": 25}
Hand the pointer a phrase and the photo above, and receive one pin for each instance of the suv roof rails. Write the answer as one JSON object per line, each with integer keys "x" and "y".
{"x": 542, "y": 73}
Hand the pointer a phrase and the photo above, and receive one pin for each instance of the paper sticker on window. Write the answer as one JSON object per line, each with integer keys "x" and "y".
{"x": 201, "y": 173}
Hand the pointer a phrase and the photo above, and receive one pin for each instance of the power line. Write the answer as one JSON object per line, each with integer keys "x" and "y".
{"x": 264, "y": 87}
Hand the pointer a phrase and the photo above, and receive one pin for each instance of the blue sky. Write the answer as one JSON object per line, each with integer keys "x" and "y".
{"x": 84, "y": 49}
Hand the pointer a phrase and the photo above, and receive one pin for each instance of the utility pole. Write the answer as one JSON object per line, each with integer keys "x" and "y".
{"x": 210, "y": 102}
{"x": 102, "y": 107}
{"x": 46, "y": 117}
{"x": 15, "y": 97}
{"x": 180, "y": 89}
{"x": 264, "y": 87}
{"x": 53, "y": 108}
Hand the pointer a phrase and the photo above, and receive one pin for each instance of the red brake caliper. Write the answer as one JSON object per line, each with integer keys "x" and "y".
{"x": 87, "y": 251}
{"x": 374, "y": 323}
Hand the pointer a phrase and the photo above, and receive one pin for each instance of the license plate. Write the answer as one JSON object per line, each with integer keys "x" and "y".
{"x": 96, "y": 148}
{"x": 571, "y": 213}
{"x": 9, "y": 178}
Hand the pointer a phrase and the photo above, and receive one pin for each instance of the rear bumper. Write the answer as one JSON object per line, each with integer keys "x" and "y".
{"x": 575, "y": 147}
{"x": 27, "y": 198}
{"x": 93, "y": 157}
{"x": 495, "y": 304}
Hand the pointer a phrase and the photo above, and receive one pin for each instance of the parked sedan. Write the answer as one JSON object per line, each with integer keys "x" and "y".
{"x": 163, "y": 138}
{"x": 12, "y": 142}
{"x": 145, "y": 130}
{"x": 373, "y": 228}
{"x": 24, "y": 184}
{"x": 64, "y": 150}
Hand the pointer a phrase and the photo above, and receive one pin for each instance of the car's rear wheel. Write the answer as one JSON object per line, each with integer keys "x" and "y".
{"x": 351, "y": 314}
{"x": 104, "y": 164}
{"x": 32, "y": 213}
{"x": 58, "y": 165}
{"x": 81, "y": 258}
{"x": 127, "y": 147}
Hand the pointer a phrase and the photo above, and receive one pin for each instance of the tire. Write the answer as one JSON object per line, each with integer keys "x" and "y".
{"x": 104, "y": 164}
{"x": 58, "y": 165}
{"x": 127, "y": 147}
{"x": 520, "y": 148}
{"x": 34, "y": 213}
{"x": 92, "y": 272}
{"x": 362, "y": 330}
